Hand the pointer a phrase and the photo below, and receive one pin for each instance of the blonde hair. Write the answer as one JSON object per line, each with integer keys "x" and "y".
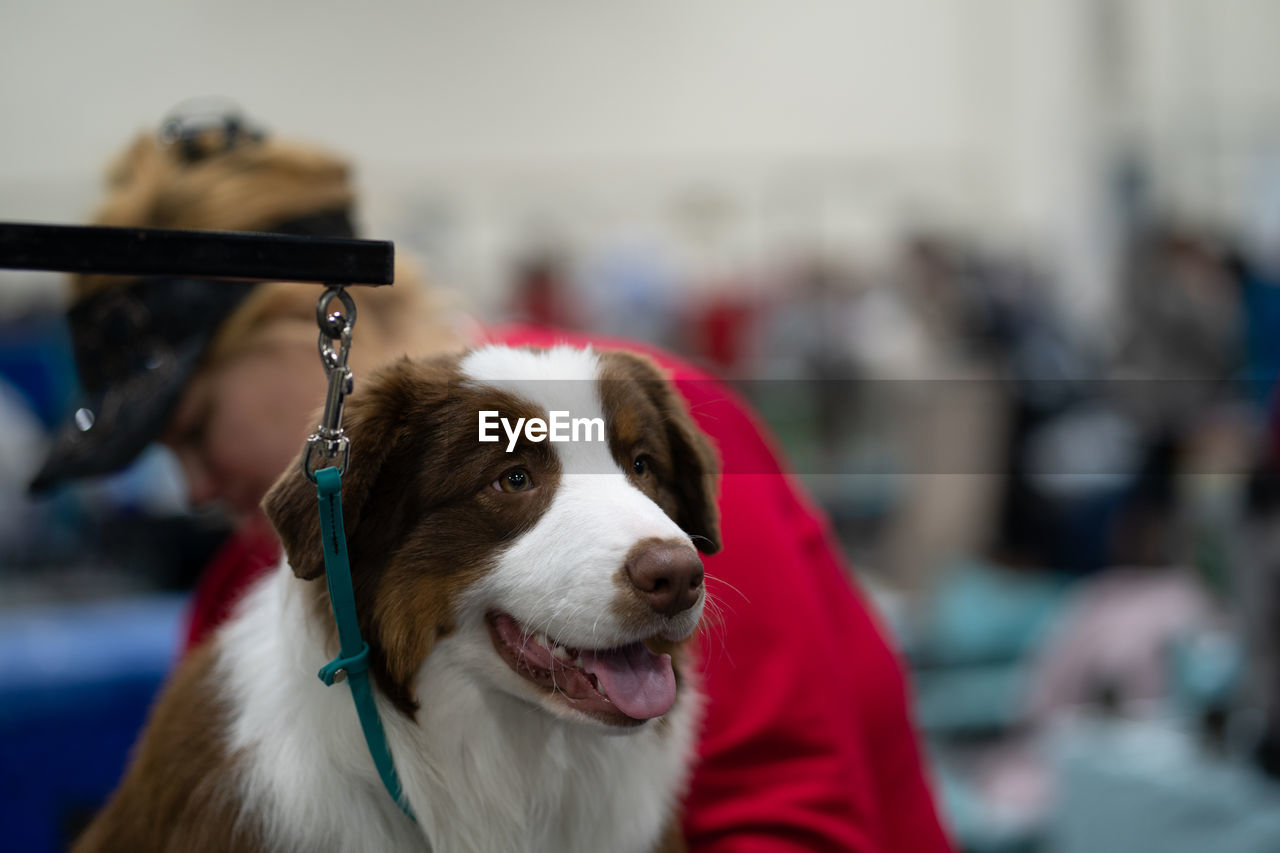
{"x": 251, "y": 187}
{"x": 405, "y": 319}
{"x": 255, "y": 186}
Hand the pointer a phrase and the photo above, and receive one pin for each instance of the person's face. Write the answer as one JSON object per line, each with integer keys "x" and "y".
{"x": 241, "y": 423}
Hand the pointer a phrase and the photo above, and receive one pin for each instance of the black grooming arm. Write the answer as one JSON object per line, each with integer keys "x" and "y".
{"x": 234, "y": 255}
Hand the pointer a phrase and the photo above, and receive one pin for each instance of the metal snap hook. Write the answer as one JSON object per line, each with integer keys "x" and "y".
{"x": 328, "y": 442}
{"x": 335, "y": 325}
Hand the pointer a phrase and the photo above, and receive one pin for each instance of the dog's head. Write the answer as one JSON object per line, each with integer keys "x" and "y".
{"x": 558, "y": 563}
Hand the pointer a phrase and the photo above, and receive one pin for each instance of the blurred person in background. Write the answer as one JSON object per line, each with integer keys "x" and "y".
{"x": 541, "y": 294}
{"x": 806, "y": 744}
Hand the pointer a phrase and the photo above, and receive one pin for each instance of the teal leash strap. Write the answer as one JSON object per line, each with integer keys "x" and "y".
{"x": 352, "y": 662}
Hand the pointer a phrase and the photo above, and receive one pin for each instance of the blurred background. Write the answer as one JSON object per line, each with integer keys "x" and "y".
{"x": 1003, "y": 276}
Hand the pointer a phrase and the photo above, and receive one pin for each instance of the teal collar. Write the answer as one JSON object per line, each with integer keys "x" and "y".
{"x": 352, "y": 662}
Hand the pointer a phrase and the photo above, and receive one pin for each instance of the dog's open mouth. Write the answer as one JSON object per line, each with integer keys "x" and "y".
{"x": 623, "y": 686}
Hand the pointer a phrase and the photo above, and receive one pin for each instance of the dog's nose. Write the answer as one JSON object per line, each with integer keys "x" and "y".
{"x": 667, "y": 576}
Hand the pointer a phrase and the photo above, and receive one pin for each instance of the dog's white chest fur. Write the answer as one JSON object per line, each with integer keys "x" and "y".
{"x": 483, "y": 771}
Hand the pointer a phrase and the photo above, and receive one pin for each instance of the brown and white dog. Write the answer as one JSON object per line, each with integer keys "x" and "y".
{"x": 526, "y": 610}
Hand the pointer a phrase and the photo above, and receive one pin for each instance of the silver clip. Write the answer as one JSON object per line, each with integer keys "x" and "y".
{"x": 328, "y": 445}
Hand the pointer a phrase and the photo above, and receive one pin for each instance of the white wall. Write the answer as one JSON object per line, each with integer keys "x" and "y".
{"x": 448, "y": 84}
{"x": 833, "y": 122}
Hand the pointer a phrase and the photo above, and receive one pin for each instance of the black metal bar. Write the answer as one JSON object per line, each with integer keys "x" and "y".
{"x": 234, "y": 255}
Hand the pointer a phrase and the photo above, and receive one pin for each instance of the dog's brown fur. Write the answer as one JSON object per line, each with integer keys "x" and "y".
{"x": 637, "y": 397}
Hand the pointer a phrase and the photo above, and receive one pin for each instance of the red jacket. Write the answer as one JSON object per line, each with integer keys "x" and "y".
{"x": 807, "y": 744}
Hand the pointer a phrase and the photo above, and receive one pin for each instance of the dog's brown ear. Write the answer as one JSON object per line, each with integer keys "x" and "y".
{"x": 372, "y": 422}
{"x": 697, "y": 467}
{"x": 699, "y": 483}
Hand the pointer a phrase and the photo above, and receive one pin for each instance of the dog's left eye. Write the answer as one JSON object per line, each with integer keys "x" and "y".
{"x": 514, "y": 480}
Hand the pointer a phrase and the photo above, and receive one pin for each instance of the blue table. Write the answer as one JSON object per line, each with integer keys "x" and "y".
{"x": 75, "y": 684}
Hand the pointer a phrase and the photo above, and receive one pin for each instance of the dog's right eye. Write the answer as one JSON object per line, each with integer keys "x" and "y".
{"x": 514, "y": 480}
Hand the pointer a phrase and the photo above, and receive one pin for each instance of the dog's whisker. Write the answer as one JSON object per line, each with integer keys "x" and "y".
{"x": 722, "y": 582}
{"x": 699, "y": 537}
{"x": 711, "y": 614}
{"x": 555, "y": 687}
{"x": 595, "y": 628}
{"x": 712, "y": 626}
{"x": 571, "y": 618}
{"x": 551, "y": 618}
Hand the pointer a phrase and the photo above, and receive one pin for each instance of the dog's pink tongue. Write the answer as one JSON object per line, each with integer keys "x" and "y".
{"x": 640, "y": 683}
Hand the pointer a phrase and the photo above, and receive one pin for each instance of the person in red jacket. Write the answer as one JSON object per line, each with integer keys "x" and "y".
{"x": 807, "y": 744}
